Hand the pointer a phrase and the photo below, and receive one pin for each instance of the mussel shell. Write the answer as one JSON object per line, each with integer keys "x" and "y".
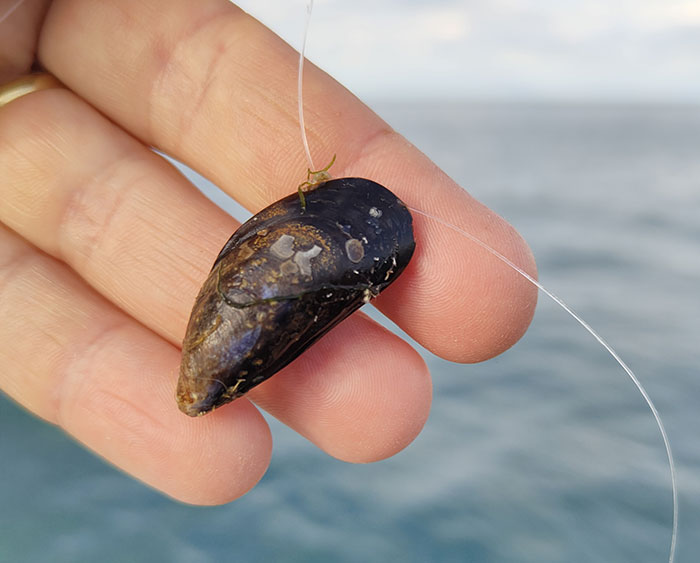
{"x": 285, "y": 278}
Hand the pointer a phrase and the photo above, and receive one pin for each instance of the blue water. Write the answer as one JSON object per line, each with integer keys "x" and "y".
{"x": 545, "y": 454}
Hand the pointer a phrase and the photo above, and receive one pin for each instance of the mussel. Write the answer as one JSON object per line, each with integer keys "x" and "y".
{"x": 284, "y": 279}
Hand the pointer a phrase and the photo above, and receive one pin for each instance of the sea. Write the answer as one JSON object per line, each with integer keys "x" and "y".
{"x": 546, "y": 454}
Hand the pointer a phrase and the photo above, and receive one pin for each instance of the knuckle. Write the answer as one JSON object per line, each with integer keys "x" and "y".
{"x": 180, "y": 76}
{"x": 91, "y": 211}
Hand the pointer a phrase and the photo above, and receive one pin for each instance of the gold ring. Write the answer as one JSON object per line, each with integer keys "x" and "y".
{"x": 26, "y": 85}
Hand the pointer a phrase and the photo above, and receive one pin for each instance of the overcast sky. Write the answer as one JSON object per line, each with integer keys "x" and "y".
{"x": 500, "y": 49}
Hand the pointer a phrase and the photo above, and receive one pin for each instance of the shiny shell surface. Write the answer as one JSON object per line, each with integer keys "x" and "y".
{"x": 285, "y": 278}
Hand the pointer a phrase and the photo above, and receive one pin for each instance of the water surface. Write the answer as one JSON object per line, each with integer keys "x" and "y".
{"x": 545, "y": 454}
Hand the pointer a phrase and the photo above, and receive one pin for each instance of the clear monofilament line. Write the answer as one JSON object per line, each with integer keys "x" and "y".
{"x": 9, "y": 12}
{"x": 538, "y": 285}
{"x": 604, "y": 344}
{"x": 300, "y": 84}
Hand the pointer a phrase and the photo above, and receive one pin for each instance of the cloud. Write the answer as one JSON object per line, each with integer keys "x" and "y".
{"x": 579, "y": 49}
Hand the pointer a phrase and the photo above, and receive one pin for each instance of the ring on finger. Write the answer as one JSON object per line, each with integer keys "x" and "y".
{"x": 26, "y": 85}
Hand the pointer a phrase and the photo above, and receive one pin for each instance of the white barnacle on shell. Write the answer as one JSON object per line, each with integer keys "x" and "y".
{"x": 303, "y": 259}
{"x": 283, "y": 247}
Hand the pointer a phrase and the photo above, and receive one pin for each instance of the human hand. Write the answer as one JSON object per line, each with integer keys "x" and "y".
{"x": 104, "y": 244}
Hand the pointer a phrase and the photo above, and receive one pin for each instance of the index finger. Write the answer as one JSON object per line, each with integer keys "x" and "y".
{"x": 211, "y": 86}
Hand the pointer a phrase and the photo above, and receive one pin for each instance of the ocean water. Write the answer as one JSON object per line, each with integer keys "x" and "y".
{"x": 545, "y": 454}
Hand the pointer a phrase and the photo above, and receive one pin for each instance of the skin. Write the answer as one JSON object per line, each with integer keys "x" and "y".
{"x": 103, "y": 245}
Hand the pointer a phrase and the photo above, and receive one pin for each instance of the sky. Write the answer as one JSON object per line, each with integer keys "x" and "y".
{"x": 572, "y": 50}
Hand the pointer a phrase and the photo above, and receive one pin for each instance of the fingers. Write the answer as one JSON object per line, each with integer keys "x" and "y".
{"x": 89, "y": 194}
{"x": 358, "y": 383}
{"x": 209, "y": 85}
{"x": 75, "y": 360}
{"x": 82, "y": 190}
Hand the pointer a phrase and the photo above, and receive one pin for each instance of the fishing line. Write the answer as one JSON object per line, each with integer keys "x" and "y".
{"x": 11, "y": 10}
{"x": 603, "y": 343}
{"x": 509, "y": 263}
{"x": 611, "y": 351}
{"x": 300, "y": 84}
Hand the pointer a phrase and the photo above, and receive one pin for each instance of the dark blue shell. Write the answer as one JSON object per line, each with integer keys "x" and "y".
{"x": 285, "y": 278}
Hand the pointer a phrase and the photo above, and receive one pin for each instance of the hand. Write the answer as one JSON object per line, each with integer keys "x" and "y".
{"x": 104, "y": 244}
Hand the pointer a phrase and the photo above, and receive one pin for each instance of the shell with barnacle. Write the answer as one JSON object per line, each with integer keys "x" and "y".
{"x": 284, "y": 279}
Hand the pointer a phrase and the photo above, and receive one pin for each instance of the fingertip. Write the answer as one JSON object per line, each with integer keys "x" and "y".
{"x": 456, "y": 297}
{"x": 493, "y": 304}
{"x": 233, "y": 454}
{"x": 361, "y": 394}
{"x": 378, "y": 424}
{"x": 126, "y": 412}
